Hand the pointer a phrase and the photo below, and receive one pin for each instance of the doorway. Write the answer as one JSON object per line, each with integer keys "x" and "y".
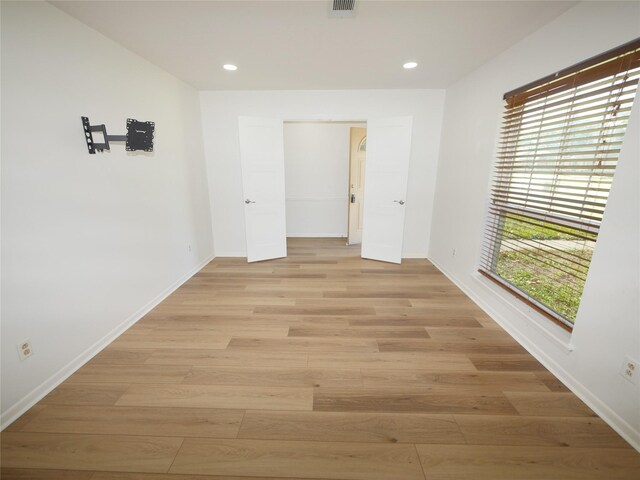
{"x": 357, "y": 162}
{"x": 387, "y": 150}
{"x": 317, "y": 178}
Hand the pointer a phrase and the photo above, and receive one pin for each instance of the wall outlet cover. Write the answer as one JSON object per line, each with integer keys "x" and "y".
{"x": 630, "y": 369}
{"x": 25, "y": 350}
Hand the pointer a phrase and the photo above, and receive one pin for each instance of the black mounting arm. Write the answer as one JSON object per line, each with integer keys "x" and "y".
{"x": 139, "y": 136}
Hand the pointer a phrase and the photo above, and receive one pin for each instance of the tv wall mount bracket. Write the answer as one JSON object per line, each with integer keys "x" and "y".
{"x": 139, "y": 136}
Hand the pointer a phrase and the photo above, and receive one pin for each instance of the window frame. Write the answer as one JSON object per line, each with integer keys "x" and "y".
{"x": 582, "y": 74}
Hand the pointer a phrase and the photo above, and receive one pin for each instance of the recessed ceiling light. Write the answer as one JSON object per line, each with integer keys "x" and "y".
{"x": 410, "y": 65}
{"x": 229, "y": 67}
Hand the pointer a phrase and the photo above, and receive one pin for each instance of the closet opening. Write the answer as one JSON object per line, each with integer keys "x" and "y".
{"x": 324, "y": 167}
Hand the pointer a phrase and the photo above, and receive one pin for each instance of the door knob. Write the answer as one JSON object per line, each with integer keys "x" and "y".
{"x": 401, "y": 202}
{"x": 247, "y": 201}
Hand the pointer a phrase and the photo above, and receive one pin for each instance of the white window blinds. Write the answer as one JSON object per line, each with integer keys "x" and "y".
{"x": 560, "y": 141}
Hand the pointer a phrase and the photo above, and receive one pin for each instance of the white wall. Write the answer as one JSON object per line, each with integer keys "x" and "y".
{"x": 316, "y": 165}
{"x": 607, "y": 327}
{"x": 88, "y": 241}
{"x": 220, "y": 111}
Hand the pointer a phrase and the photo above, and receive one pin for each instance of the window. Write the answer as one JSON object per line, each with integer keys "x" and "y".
{"x": 560, "y": 141}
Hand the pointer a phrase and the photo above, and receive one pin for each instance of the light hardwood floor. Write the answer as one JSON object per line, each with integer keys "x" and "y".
{"x": 317, "y": 366}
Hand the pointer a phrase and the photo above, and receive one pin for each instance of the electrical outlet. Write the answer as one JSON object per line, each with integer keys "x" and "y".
{"x": 189, "y": 247}
{"x": 453, "y": 252}
{"x": 24, "y": 349}
{"x": 630, "y": 369}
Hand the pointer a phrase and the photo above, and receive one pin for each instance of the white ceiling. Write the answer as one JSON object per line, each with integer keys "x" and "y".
{"x": 296, "y": 45}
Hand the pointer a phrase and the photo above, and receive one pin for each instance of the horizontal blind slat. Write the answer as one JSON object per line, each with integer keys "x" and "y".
{"x": 608, "y": 109}
{"x": 549, "y": 217}
{"x": 556, "y": 158}
{"x": 590, "y": 96}
{"x": 576, "y": 128}
{"x": 613, "y": 66}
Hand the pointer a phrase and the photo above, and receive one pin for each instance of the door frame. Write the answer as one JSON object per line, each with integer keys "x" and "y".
{"x": 352, "y": 153}
{"x": 328, "y": 118}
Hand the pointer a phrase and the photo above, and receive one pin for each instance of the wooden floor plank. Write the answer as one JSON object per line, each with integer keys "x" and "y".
{"x": 471, "y": 335}
{"x": 522, "y": 430}
{"x": 85, "y": 394}
{"x": 416, "y": 378}
{"x": 421, "y": 400}
{"x": 213, "y": 302}
{"x": 121, "y": 356}
{"x": 430, "y": 345}
{"x": 551, "y": 382}
{"x": 248, "y": 323}
{"x": 376, "y": 293}
{"x": 350, "y": 461}
{"x": 88, "y": 452}
{"x": 429, "y": 305}
{"x": 350, "y": 427}
{"x": 97, "y": 373}
{"x": 362, "y": 332}
{"x": 177, "y": 421}
{"x": 313, "y": 310}
{"x": 506, "y": 363}
{"x": 476, "y": 462}
{"x": 352, "y": 303}
{"x": 405, "y": 320}
{"x": 222, "y": 331}
{"x": 552, "y": 404}
{"x": 434, "y": 362}
{"x": 37, "y": 474}
{"x": 237, "y": 357}
{"x": 317, "y": 344}
{"x": 167, "y": 340}
{"x": 163, "y": 310}
{"x": 172, "y": 476}
{"x": 435, "y": 309}
{"x": 321, "y": 365}
{"x": 268, "y": 291}
{"x": 273, "y": 377}
{"x": 218, "y": 396}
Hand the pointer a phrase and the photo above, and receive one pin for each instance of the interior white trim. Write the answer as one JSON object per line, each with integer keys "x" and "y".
{"x": 421, "y": 256}
{"x": 622, "y": 427}
{"x": 33, "y": 397}
{"x": 231, "y": 253}
{"x": 317, "y": 235}
{"x": 559, "y": 336}
{"x": 323, "y": 118}
{"x": 348, "y": 122}
{"x": 333, "y": 198}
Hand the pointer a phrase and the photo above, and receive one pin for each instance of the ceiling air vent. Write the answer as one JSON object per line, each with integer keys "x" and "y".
{"x": 342, "y": 8}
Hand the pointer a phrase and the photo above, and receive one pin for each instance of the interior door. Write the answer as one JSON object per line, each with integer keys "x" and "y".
{"x": 262, "y": 160}
{"x": 385, "y": 187}
{"x": 357, "y": 160}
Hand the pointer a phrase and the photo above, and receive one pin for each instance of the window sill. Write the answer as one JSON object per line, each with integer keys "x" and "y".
{"x": 560, "y": 337}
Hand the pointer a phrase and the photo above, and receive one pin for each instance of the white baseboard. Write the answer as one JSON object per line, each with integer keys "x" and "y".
{"x": 414, "y": 255}
{"x": 33, "y": 397}
{"x": 313, "y": 235}
{"x": 231, "y": 254}
{"x": 317, "y": 235}
{"x": 621, "y": 426}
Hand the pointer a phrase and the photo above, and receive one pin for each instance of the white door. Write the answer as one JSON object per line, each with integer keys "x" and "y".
{"x": 262, "y": 160}
{"x": 385, "y": 187}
